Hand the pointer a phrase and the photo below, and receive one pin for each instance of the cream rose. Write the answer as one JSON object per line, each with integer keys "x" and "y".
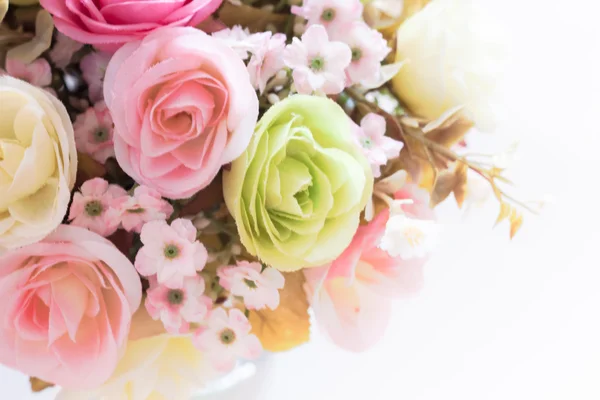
{"x": 38, "y": 163}
{"x": 452, "y": 57}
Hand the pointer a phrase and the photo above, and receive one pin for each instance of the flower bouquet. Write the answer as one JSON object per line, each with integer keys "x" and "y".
{"x": 182, "y": 181}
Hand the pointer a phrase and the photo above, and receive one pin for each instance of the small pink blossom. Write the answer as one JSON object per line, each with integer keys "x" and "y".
{"x": 93, "y": 68}
{"x": 144, "y": 206}
{"x": 377, "y": 147}
{"x": 333, "y": 14}
{"x": 63, "y": 50}
{"x": 171, "y": 252}
{"x": 92, "y": 207}
{"x": 318, "y": 64}
{"x": 177, "y": 308}
{"x": 369, "y": 49}
{"x": 259, "y": 289}
{"x": 38, "y": 73}
{"x": 94, "y": 133}
{"x": 238, "y": 39}
{"x": 267, "y": 60}
{"x": 226, "y": 338}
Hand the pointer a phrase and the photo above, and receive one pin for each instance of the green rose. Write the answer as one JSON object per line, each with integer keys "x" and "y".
{"x": 297, "y": 192}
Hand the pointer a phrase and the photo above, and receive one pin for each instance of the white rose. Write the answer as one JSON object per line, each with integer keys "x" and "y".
{"x": 453, "y": 57}
{"x": 38, "y": 163}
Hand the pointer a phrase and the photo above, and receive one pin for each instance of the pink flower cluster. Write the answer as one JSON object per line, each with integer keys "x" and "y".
{"x": 259, "y": 288}
{"x": 337, "y": 50}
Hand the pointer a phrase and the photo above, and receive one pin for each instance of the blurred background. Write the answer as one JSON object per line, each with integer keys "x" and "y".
{"x": 497, "y": 319}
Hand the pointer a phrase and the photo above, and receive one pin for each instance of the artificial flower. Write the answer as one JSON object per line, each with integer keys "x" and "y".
{"x": 93, "y": 207}
{"x": 38, "y": 73}
{"x": 93, "y": 68}
{"x": 227, "y": 338}
{"x": 258, "y": 288}
{"x": 63, "y": 50}
{"x": 94, "y": 133}
{"x": 318, "y": 64}
{"x": 351, "y": 297}
{"x": 108, "y": 24}
{"x": 183, "y": 106}
{"x": 332, "y": 14}
{"x": 452, "y": 58}
{"x": 171, "y": 252}
{"x": 177, "y": 308}
{"x": 38, "y": 163}
{"x": 297, "y": 192}
{"x": 238, "y": 39}
{"x": 144, "y": 206}
{"x": 266, "y": 60}
{"x": 155, "y": 366}
{"x": 377, "y": 147}
{"x": 68, "y": 302}
{"x": 369, "y": 49}
{"x": 407, "y": 237}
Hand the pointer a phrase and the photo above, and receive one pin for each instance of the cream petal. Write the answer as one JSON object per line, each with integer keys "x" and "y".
{"x": 12, "y": 154}
{"x": 38, "y": 208}
{"x": 12, "y": 101}
{"x": 26, "y": 121}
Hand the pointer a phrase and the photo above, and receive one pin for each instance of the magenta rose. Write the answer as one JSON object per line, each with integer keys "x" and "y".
{"x": 183, "y": 106}
{"x": 67, "y": 307}
{"x": 108, "y": 24}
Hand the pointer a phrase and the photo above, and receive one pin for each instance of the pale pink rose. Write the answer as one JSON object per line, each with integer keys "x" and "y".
{"x": 227, "y": 338}
{"x": 351, "y": 297}
{"x": 333, "y": 14}
{"x": 38, "y": 73}
{"x": 318, "y": 65}
{"x": 67, "y": 307}
{"x": 94, "y": 133}
{"x": 369, "y": 49}
{"x": 108, "y": 24}
{"x": 144, "y": 206}
{"x": 63, "y": 50}
{"x": 93, "y": 68}
{"x": 172, "y": 253}
{"x": 177, "y": 308}
{"x": 259, "y": 289}
{"x": 377, "y": 147}
{"x": 93, "y": 207}
{"x": 183, "y": 106}
{"x": 267, "y": 60}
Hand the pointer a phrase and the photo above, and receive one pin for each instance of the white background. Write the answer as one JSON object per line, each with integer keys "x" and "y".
{"x": 496, "y": 320}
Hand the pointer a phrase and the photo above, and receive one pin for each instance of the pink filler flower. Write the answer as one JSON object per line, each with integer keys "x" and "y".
{"x": 94, "y": 133}
{"x": 144, "y": 206}
{"x": 377, "y": 147}
{"x": 332, "y": 14}
{"x": 259, "y": 289}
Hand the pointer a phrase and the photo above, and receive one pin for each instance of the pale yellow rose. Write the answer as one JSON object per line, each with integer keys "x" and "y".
{"x": 38, "y": 163}
{"x": 452, "y": 57}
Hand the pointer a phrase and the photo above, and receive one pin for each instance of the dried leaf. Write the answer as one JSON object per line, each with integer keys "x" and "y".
{"x": 392, "y": 183}
{"x": 444, "y": 185}
{"x": 288, "y": 326}
{"x": 516, "y": 221}
{"x": 460, "y": 186}
{"x": 505, "y": 211}
{"x": 37, "y": 385}
{"x": 444, "y": 121}
{"x": 450, "y": 134}
{"x": 206, "y": 199}
{"x": 88, "y": 168}
{"x": 28, "y": 52}
{"x": 255, "y": 19}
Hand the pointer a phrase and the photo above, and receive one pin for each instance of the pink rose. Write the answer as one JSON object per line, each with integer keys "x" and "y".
{"x": 67, "y": 307}
{"x": 108, "y": 24}
{"x": 183, "y": 106}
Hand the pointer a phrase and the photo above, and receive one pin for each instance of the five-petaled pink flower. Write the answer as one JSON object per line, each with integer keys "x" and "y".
{"x": 178, "y": 307}
{"x": 267, "y": 60}
{"x": 38, "y": 72}
{"x": 63, "y": 50}
{"x": 93, "y": 68}
{"x": 94, "y": 133}
{"x": 259, "y": 289}
{"x": 333, "y": 14}
{"x": 92, "y": 207}
{"x": 369, "y": 49}
{"x": 377, "y": 147}
{"x": 319, "y": 65}
{"x": 172, "y": 253}
{"x": 144, "y": 206}
{"x": 226, "y": 338}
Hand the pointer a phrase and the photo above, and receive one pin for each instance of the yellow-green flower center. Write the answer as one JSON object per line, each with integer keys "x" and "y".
{"x": 175, "y": 296}
{"x": 317, "y": 63}
{"x": 94, "y": 208}
{"x": 251, "y": 284}
{"x": 356, "y": 54}
{"x": 227, "y": 336}
{"x": 171, "y": 251}
{"x": 101, "y": 135}
{"x": 328, "y": 15}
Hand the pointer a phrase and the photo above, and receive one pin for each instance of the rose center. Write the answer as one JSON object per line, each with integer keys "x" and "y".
{"x": 356, "y": 54}
{"x": 251, "y": 284}
{"x": 317, "y": 63}
{"x": 94, "y": 208}
{"x": 175, "y": 297}
{"x": 328, "y": 15}
{"x": 227, "y": 336}
{"x": 171, "y": 251}
{"x": 101, "y": 135}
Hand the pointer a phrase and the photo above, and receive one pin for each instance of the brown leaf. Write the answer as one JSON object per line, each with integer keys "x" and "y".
{"x": 288, "y": 326}
{"x": 206, "y": 199}
{"x": 505, "y": 211}
{"x": 255, "y": 19}
{"x": 37, "y": 385}
{"x": 460, "y": 186}
{"x": 444, "y": 185}
{"x": 516, "y": 221}
{"x": 88, "y": 168}
{"x": 449, "y": 134}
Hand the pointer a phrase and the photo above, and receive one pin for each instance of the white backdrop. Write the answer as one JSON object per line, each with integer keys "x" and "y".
{"x": 496, "y": 320}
